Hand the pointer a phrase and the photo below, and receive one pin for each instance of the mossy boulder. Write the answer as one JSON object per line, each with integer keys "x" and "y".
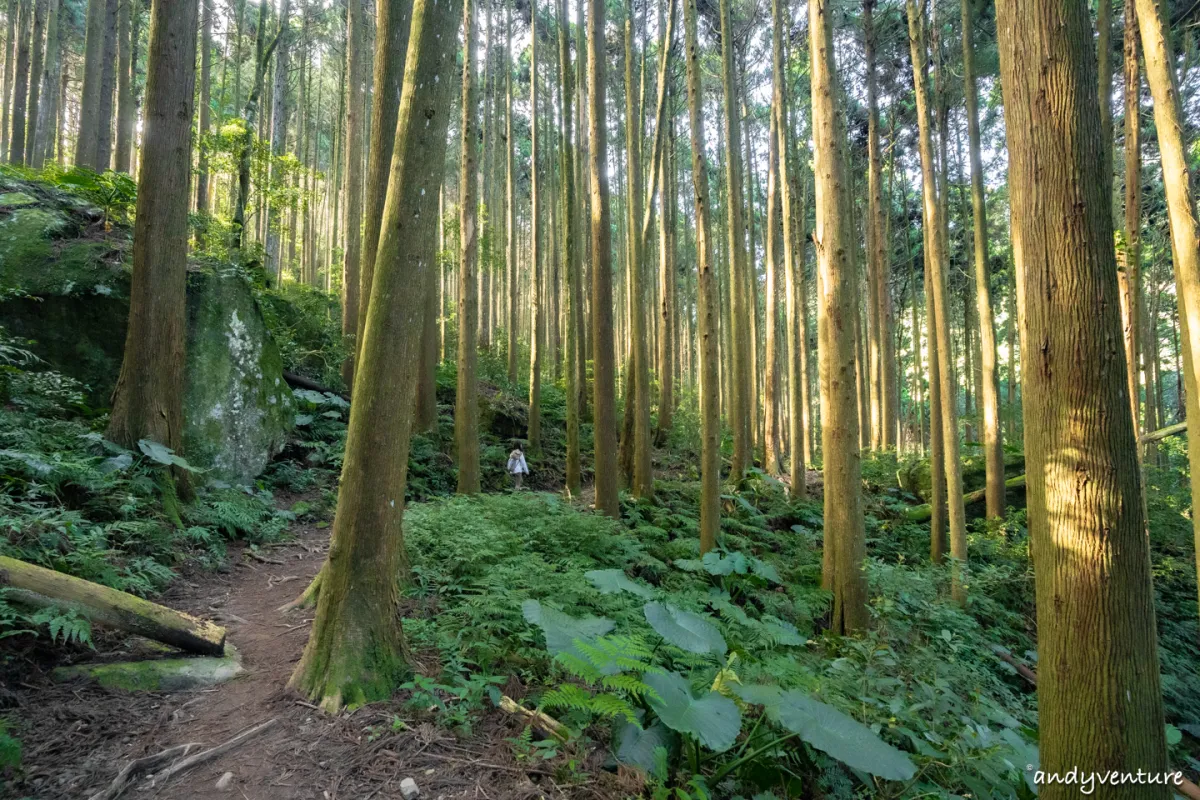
{"x": 64, "y": 283}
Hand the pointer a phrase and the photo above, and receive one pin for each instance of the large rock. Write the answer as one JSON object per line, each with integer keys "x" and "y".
{"x": 71, "y": 283}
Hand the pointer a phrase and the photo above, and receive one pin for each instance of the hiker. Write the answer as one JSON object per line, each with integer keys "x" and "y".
{"x": 517, "y": 467}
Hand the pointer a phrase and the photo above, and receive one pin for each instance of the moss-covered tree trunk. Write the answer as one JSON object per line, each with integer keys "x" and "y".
{"x": 148, "y": 398}
{"x": 845, "y": 535}
{"x": 352, "y": 175}
{"x": 936, "y": 297}
{"x": 466, "y": 400}
{"x": 706, "y": 299}
{"x": 604, "y": 362}
{"x": 356, "y": 651}
{"x": 1099, "y": 696}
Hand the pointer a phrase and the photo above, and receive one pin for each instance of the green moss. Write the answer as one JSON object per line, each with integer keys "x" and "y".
{"x": 17, "y": 199}
{"x": 157, "y": 675}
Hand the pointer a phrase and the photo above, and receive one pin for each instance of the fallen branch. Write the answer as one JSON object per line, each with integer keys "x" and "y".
{"x": 922, "y": 513}
{"x": 1163, "y": 433}
{"x": 43, "y": 588}
{"x": 138, "y": 766}
{"x": 301, "y": 382}
{"x": 543, "y": 722}
{"x": 208, "y": 755}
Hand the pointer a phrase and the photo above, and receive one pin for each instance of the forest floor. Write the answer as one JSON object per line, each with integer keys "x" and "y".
{"x": 77, "y": 736}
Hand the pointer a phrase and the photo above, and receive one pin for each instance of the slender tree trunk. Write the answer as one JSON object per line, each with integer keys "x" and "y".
{"x": 356, "y": 651}
{"x": 1095, "y": 603}
{"x": 845, "y": 535}
{"x": 108, "y": 89}
{"x": 126, "y": 110}
{"x": 1169, "y": 123}
{"x": 643, "y": 479}
{"x": 1129, "y": 279}
{"x": 89, "y": 101}
{"x": 392, "y": 21}
{"x": 510, "y": 259}
{"x": 937, "y": 299}
{"x": 710, "y": 393}
{"x": 10, "y": 37}
{"x": 1104, "y": 51}
{"x": 148, "y": 398}
{"x": 16, "y": 152}
{"x": 604, "y": 399}
{"x": 37, "y": 66}
{"x": 878, "y": 264}
{"x": 571, "y": 255}
{"x": 993, "y": 446}
{"x": 537, "y": 299}
{"x": 668, "y": 313}
{"x": 42, "y": 136}
{"x": 466, "y": 405}
{"x": 352, "y": 152}
{"x": 205, "y": 123}
{"x": 772, "y": 235}
{"x": 279, "y": 120}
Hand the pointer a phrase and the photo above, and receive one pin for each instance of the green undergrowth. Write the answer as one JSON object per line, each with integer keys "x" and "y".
{"x": 74, "y": 502}
{"x": 622, "y": 632}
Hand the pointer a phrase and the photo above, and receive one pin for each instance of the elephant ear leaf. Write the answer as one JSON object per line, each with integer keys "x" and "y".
{"x": 638, "y": 747}
{"x": 713, "y": 719}
{"x": 611, "y": 581}
{"x": 687, "y": 631}
{"x": 564, "y": 632}
{"x": 832, "y": 732}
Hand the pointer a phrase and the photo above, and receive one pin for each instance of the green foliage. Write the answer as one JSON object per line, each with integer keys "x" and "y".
{"x": 115, "y": 193}
{"x": 10, "y": 748}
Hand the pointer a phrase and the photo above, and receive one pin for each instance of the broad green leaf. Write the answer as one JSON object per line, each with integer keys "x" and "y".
{"x": 765, "y": 571}
{"x": 684, "y": 629}
{"x": 713, "y": 719}
{"x": 562, "y": 630}
{"x": 635, "y": 746}
{"x": 116, "y": 463}
{"x": 689, "y": 564}
{"x": 155, "y": 451}
{"x": 717, "y": 564}
{"x": 832, "y": 732}
{"x": 611, "y": 581}
{"x": 303, "y": 419}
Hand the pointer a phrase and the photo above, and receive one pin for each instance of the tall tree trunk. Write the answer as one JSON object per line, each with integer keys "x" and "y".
{"x": 356, "y": 651}
{"x": 537, "y": 295}
{"x": 16, "y": 146}
{"x": 510, "y": 245}
{"x": 279, "y": 120}
{"x": 1104, "y": 50}
{"x": 642, "y": 484}
{"x": 937, "y": 299}
{"x": 1095, "y": 603}
{"x": 148, "y": 398}
{"x": 706, "y": 314}
{"x": 845, "y": 534}
{"x": 352, "y": 152}
{"x": 741, "y": 384}
{"x": 126, "y": 110}
{"x": 793, "y": 259}
{"x": 466, "y": 404}
{"x": 1129, "y": 279}
{"x": 668, "y": 305}
{"x": 1170, "y": 125}
{"x": 878, "y": 263}
{"x": 571, "y": 254}
{"x": 37, "y": 66}
{"x": 604, "y": 398}
{"x": 108, "y": 89}
{"x": 993, "y": 445}
{"x": 392, "y": 22}
{"x": 205, "y": 123}
{"x": 44, "y": 129}
{"x": 89, "y": 100}
{"x": 772, "y": 235}
{"x": 9, "y": 57}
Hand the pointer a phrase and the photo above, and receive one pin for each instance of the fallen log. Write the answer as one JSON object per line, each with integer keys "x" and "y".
{"x": 1163, "y": 433}
{"x": 43, "y": 588}
{"x": 924, "y": 512}
{"x": 301, "y": 382}
{"x": 547, "y": 724}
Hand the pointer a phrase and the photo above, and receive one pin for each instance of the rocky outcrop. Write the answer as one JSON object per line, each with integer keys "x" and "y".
{"x": 64, "y": 283}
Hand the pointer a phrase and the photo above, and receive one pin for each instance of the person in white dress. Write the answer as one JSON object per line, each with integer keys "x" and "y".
{"x": 517, "y": 467}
